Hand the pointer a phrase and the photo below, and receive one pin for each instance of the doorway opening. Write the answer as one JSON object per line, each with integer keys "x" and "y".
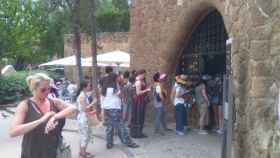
{"x": 207, "y": 56}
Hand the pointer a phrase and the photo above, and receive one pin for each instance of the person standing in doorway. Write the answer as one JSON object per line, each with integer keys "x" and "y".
{"x": 202, "y": 101}
{"x": 216, "y": 100}
{"x": 139, "y": 107}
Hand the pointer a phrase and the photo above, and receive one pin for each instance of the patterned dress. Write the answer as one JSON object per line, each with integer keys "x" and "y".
{"x": 85, "y": 130}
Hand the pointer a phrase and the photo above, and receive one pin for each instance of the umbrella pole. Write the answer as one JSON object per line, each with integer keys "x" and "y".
{"x": 118, "y": 68}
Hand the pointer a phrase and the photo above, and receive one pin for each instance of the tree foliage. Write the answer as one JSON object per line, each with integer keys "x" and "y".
{"x": 22, "y": 24}
{"x": 32, "y": 31}
{"x": 111, "y": 16}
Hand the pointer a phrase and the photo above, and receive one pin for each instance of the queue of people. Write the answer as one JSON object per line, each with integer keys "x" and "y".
{"x": 203, "y": 93}
{"x": 124, "y": 99}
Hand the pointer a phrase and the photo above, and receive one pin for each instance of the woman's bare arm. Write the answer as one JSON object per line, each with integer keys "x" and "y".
{"x": 138, "y": 88}
{"x": 18, "y": 128}
{"x": 66, "y": 109}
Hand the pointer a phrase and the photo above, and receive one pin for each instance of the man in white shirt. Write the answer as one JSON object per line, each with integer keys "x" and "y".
{"x": 111, "y": 104}
{"x": 72, "y": 89}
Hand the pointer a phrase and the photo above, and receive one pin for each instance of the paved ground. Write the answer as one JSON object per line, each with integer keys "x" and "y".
{"x": 170, "y": 145}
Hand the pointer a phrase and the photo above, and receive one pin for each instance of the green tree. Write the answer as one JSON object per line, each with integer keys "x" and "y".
{"x": 52, "y": 42}
{"x": 121, "y": 4}
{"x": 111, "y": 16}
{"x": 32, "y": 31}
{"x": 22, "y": 23}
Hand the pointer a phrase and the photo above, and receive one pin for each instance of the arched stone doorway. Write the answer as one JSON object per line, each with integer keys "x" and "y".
{"x": 160, "y": 28}
{"x": 205, "y": 54}
{"x": 205, "y": 51}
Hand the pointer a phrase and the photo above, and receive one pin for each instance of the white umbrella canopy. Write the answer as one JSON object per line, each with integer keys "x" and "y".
{"x": 115, "y": 59}
{"x": 67, "y": 61}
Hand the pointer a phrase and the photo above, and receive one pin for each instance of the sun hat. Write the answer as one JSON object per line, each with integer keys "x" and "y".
{"x": 182, "y": 79}
{"x": 162, "y": 76}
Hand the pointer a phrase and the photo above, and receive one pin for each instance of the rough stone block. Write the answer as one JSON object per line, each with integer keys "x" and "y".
{"x": 259, "y": 17}
{"x": 259, "y": 50}
{"x": 260, "y": 86}
{"x": 276, "y": 67}
{"x": 260, "y": 68}
{"x": 264, "y": 6}
{"x": 261, "y": 32}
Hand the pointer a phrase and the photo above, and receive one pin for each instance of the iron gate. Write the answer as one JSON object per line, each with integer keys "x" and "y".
{"x": 209, "y": 43}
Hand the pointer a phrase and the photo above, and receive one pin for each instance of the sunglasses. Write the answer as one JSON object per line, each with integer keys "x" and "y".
{"x": 43, "y": 90}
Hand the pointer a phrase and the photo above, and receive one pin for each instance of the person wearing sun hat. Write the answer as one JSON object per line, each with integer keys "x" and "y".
{"x": 160, "y": 97}
{"x": 179, "y": 102}
{"x": 202, "y": 101}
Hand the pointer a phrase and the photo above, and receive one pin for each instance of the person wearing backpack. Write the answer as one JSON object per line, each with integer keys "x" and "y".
{"x": 111, "y": 105}
{"x": 160, "y": 96}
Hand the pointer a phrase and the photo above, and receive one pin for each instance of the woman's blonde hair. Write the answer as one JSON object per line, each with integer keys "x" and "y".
{"x": 33, "y": 81}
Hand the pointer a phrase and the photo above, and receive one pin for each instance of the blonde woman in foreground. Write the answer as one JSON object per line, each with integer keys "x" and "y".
{"x": 39, "y": 119}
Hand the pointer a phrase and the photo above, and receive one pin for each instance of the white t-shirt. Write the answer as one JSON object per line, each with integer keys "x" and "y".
{"x": 179, "y": 100}
{"x": 111, "y": 100}
{"x": 72, "y": 88}
{"x": 157, "y": 104}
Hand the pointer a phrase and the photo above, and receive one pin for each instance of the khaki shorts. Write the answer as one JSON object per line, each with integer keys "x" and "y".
{"x": 203, "y": 108}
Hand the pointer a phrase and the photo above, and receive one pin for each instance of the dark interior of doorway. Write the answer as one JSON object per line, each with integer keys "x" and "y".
{"x": 205, "y": 52}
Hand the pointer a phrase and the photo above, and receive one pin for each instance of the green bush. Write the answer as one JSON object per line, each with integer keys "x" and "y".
{"x": 14, "y": 87}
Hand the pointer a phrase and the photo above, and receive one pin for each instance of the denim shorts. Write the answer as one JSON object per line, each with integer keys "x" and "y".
{"x": 216, "y": 100}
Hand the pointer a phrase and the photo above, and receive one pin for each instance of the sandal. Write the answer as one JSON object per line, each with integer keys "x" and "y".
{"x": 86, "y": 155}
{"x": 90, "y": 155}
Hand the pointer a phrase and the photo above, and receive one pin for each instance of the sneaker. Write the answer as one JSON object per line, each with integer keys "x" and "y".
{"x": 132, "y": 145}
{"x": 168, "y": 129}
{"x": 215, "y": 130}
{"x": 220, "y": 131}
{"x": 180, "y": 133}
{"x": 202, "y": 132}
{"x": 159, "y": 132}
{"x": 143, "y": 136}
{"x": 109, "y": 146}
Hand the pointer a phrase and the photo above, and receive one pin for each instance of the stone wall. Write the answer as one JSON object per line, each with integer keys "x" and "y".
{"x": 160, "y": 28}
{"x": 106, "y": 42}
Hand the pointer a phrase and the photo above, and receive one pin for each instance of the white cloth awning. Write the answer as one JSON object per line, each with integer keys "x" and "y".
{"x": 67, "y": 61}
{"x": 115, "y": 59}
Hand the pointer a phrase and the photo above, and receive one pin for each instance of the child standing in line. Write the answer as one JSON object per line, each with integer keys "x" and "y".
{"x": 160, "y": 96}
